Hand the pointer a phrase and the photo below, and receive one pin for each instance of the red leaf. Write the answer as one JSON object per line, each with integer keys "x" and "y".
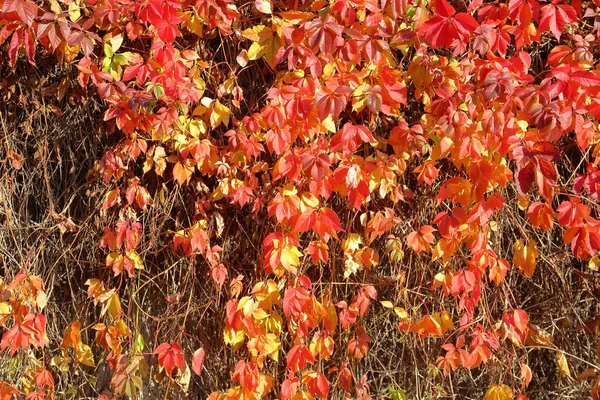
{"x": 327, "y": 223}
{"x": 25, "y": 9}
{"x": 525, "y": 178}
{"x": 586, "y": 78}
{"x": 524, "y": 11}
{"x": 198, "y": 360}
{"x": 165, "y": 20}
{"x": 246, "y": 373}
{"x": 316, "y": 382}
{"x": 219, "y": 273}
{"x": 43, "y": 377}
{"x": 443, "y": 8}
{"x": 326, "y": 35}
{"x": 556, "y": 17}
{"x": 170, "y": 356}
{"x": 17, "y": 336}
{"x": 442, "y": 32}
{"x": 298, "y": 357}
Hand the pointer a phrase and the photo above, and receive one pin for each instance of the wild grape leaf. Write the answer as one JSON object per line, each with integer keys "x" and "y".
{"x": 298, "y": 357}
{"x": 498, "y": 271}
{"x": 246, "y": 373}
{"x": 347, "y": 315}
{"x": 524, "y": 11}
{"x": 183, "y": 171}
{"x": 332, "y": 101}
{"x": 526, "y": 374}
{"x": 7, "y": 391}
{"x": 541, "y": 215}
{"x": 165, "y": 20}
{"x": 325, "y": 34}
{"x": 170, "y": 356}
{"x": 319, "y": 251}
{"x": 316, "y": 382}
{"x": 264, "y": 6}
{"x": 25, "y": 9}
{"x": 322, "y": 345}
{"x": 53, "y": 27}
{"x": 499, "y": 392}
{"x": 422, "y": 239}
{"x": 289, "y": 387}
{"x": 198, "y": 360}
{"x": 584, "y": 240}
{"x": 267, "y": 43}
{"x": 327, "y": 223}
{"x": 43, "y": 378}
{"x": 445, "y": 28}
{"x": 359, "y": 346}
{"x": 18, "y": 336}
{"x": 555, "y": 17}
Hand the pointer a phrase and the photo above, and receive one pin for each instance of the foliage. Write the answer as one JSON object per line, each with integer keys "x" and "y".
{"x": 383, "y": 133}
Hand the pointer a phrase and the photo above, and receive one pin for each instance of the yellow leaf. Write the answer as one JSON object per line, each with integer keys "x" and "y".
{"x": 594, "y": 263}
{"x": 329, "y": 124}
{"x": 122, "y": 328}
{"x": 309, "y": 200}
{"x": 563, "y": 365}
{"x": 266, "y": 43}
{"x": 193, "y": 22}
{"x": 401, "y": 312}
{"x": 220, "y": 115}
{"x": 233, "y": 338}
{"x": 74, "y": 11}
{"x": 255, "y": 51}
{"x": 525, "y": 257}
{"x": 136, "y": 259}
{"x": 352, "y": 243}
{"x": 83, "y": 354}
{"x": 289, "y": 190}
{"x": 183, "y": 378}
{"x": 116, "y": 42}
{"x": 290, "y": 258}
{"x": 258, "y": 33}
{"x": 247, "y": 305}
{"x": 274, "y": 323}
{"x": 523, "y": 202}
{"x": 5, "y": 312}
{"x": 113, "y": 306}
{"x": 445, "y": 321}
{"x": 387, "y": 304}
{"x": 351, "y": 267}
{"x": 498, "y": 392}
{"x": 296, "y": 17}
{"x": 41, "y": 300}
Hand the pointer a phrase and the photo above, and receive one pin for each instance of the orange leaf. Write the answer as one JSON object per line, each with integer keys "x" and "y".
{"x": 498, "y": 392}
{"x": 525, "y": 257}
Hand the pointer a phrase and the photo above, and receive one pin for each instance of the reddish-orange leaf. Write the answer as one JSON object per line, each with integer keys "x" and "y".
{"x": 298, "y": 357}
{"x": 170, "y": 356}
{"x": 198, "y": 360}
{"x": 7, "y": 391}
{"x": 317, "y": 384}
{"x": 422, "y": 239}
